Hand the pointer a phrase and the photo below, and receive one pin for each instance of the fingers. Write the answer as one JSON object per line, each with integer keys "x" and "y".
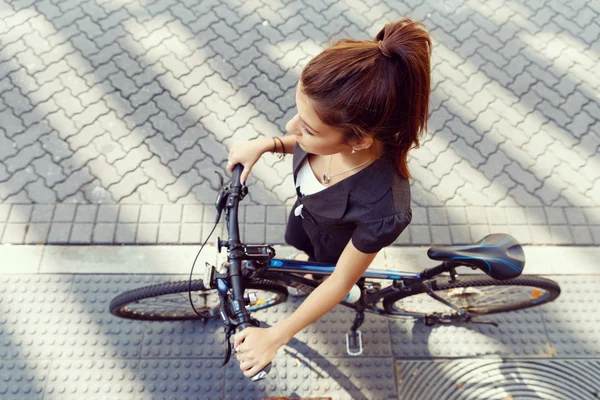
{"x": 252, "y": 371}
{"x": 244, "y": 176}
{"x": 239, "y": 338}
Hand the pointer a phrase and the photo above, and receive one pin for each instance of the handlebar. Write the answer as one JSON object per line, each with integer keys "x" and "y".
{"x": 236, "y": 253}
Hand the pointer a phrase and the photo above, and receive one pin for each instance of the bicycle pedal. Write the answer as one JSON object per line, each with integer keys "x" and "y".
{"x": 354, "y": 346}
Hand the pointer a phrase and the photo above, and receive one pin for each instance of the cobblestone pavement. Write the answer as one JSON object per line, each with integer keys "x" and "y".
{"x": 114, "y": 115}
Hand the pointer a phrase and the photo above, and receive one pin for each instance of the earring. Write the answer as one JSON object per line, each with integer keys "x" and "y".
{"x": 353, "y": 151}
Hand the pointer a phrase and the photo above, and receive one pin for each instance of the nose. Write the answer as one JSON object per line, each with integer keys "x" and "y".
{"x": 293, "y": 126}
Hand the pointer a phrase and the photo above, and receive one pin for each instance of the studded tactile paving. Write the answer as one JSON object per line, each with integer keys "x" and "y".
{"x": 60, "y": 316}
{"x": 95, "y": 379}
{"x": 59, "y": 340}
{"x": 497, "y": 379}
{"x": 23, "y": 379}
{"x": 184, "y": 339}
{"x": 573, "y": 321}
{"x": 294, "y": 375}
{"x": 519, "y": 334}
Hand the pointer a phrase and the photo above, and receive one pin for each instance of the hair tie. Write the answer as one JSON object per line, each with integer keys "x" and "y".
{"x": 384, "y": 49}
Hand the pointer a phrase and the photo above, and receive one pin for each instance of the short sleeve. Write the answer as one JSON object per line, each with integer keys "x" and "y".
{"x": 373, "y": 235}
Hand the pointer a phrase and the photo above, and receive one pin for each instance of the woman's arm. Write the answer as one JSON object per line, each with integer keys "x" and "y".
{"x": 289, "y": 142}
{"x": 350, "y": 267}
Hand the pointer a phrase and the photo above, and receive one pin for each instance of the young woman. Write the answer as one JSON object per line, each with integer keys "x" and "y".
{"x": 361, "y": 106}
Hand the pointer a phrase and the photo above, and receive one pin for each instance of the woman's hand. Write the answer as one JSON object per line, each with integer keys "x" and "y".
{"x": 246, "y": 153}
{"x": 255, "y": 348}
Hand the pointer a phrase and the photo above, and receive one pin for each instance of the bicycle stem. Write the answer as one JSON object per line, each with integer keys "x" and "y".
{"x": 236, "y": 254}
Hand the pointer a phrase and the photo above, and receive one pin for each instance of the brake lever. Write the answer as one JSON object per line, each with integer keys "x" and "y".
{"x": 221, "y": 180}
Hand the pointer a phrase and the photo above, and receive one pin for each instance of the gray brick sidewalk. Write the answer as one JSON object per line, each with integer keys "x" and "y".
{"x": 114, "y": 115}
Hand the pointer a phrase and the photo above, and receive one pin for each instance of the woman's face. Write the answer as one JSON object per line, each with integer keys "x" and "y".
{"x": 311, "y": 133}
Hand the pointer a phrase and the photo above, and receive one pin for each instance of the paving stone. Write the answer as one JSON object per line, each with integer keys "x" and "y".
{"x": 253, "y": 233}
{"x": 150, "y": 213}
{"x": 556, "y": 215}
{"x": 129, "y": 213}
{"x": 419, "y": 234}
{"x": 536, "y": 215}
{"x": 108, "y": 213}
{"x": 540, "y": 234}
{"x": 14, "y": 233}
{"x": 440, "y": 235}
{"x": 171, "y": 213}
{"x": 522, "y": 233}
{"x": 255, "y": 214}
{"x": 126, "y": 233}
{"x": 461, "y": 234}
{"x": 478, "y": 231}
{"x": 190, "y": 233}
{"x": 60, "y": 232}
{"x": 37, "y": 233}
{"x": 64, "y": 212}
{"x": 20, "y": 213}
{"x": 496, "y": 215}
{"x": 104, "y": 233}
{"x": 437, "y": 216}
{"x": 476, "y": 215}
{"x": 4, "y": 212}
{"x": 592, "y": 215}
{"x": 86, "y": 213}
{"x": 169, "y": 233}
{"x": 275, "y": 234}
{"x": 575, "y": 216}
{"x": 81, "y": 233}
{"x": 419, "y": 216}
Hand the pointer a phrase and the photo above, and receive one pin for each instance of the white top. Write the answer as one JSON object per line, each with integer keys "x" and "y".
{"x": 306, "y": 180}
{"x": 307, "y": 183}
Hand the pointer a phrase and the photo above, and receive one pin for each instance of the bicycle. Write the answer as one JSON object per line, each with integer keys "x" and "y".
{"x": 252, "y": 279}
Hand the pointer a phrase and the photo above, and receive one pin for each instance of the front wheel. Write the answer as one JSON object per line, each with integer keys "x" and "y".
{"x": 476, "y": 295}
{"x": 170, "y": 301}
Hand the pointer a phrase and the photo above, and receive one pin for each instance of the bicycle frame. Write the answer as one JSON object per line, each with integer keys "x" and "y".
{"x": 283, "y": 270}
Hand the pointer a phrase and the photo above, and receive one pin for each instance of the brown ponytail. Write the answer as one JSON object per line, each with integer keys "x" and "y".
{"x": 378, "y": 88}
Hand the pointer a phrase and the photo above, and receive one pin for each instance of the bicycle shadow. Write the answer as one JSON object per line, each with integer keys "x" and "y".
{"x": 519, "y": 334}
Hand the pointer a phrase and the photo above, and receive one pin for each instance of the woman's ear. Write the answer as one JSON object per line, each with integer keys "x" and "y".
{"x": 363, "y": 143}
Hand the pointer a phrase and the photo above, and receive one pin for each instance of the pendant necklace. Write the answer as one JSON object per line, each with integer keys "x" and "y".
{"x": 327, "y": 177}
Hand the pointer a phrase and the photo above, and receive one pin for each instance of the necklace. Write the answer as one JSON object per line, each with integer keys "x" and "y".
{"x": 327, "y": 177}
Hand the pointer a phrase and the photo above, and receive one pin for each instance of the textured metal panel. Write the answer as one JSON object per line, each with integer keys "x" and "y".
{"x": 190, "y": 339}
{"x": 296, "y": 375}
{"x": 60, "y": 316}
{"x": 520, "y": 334}
{"x": 23, "y": 379}
{"x": 497, "y": 379}
{"x": 573, "y": 321}
{"x": 125, "y": 380}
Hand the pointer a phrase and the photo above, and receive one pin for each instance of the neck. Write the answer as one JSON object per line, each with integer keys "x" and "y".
{"x": 349, "y": 160}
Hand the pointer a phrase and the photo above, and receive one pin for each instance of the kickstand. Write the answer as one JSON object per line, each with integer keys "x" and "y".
{"x": 354, "y": 346}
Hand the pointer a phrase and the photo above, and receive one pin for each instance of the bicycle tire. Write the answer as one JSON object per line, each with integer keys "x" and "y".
{"x": 551, "y": 288}
{"x": 121, "y": 306}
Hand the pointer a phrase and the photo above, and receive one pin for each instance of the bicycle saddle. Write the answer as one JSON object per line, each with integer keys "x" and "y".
{"x": 499, "y": 255}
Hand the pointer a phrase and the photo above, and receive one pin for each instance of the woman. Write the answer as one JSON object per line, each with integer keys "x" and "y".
{"x": 362, "y": 105}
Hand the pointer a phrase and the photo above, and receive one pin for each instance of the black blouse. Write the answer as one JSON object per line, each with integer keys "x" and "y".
{"x": 371, "y": 208}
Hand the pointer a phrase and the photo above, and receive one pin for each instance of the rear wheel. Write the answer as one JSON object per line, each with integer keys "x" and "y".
{"x": 476, "y": 295}
{"x": 170, "y": 301}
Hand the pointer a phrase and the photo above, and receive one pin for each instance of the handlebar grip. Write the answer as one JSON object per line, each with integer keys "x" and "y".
{"x": 237, "y": 173}
{"x": 263, "y": 372}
